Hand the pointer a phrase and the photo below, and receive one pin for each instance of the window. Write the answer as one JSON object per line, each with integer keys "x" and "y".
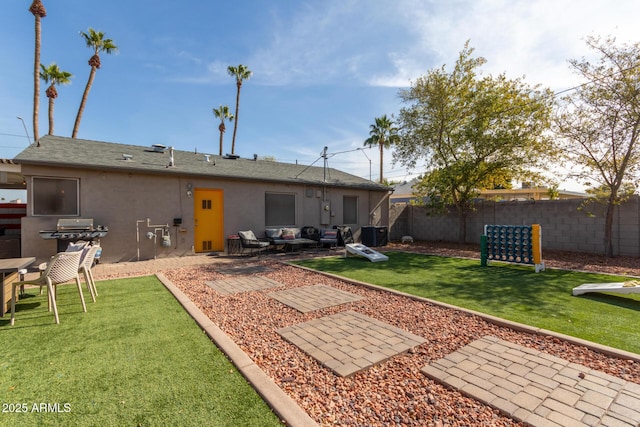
{"x": 55, "y": 196}
{"x": 280, "y": 209}
{"x": 350, "y": 209}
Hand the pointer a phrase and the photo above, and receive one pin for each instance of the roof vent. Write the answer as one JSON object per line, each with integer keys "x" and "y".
{"x": 127, "y": 157}
{"x": 159, "y": 148}
{"x": 232, "y": 156}
{"x": 206, "y": 158}
{"x": 255, "y": 157}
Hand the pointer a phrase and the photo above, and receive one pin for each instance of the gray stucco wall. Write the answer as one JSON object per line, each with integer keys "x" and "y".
{"x": 564, "y": 227}
{"x": 123, "y": 202}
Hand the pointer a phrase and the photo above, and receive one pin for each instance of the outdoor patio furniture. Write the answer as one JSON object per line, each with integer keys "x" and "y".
{"x": 345, "y": 235}
{"x": 248, "y": 240}
{"x": 85, "y": 268}
{"x": 62, "y": 268}
{"x": 288, "y": 237}
{"x": 328, "y": 237}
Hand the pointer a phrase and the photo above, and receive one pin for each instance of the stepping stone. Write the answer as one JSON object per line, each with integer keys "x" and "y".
{"x": 310, "y": 298}
{"x": 243, "y": 269}
{"x": 537, "y": 388}
{"x": 236, "y": 285}
{"x": 349, "y": 342}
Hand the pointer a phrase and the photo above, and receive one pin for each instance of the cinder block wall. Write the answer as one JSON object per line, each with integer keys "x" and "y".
{"x": 564, "y": 227}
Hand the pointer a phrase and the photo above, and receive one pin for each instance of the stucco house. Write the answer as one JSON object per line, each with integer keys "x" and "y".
{"x": 159, "y": 202}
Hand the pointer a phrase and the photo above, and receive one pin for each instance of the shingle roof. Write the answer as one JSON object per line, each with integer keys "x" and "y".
{"x": 80, "y": 153}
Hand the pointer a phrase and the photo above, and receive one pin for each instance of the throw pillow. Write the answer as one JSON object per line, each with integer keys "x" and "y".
{"x": 288, "y": 234}
{"x": 247, "y": 235}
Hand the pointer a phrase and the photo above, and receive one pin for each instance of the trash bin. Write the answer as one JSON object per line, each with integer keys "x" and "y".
{"x": 374, "y": 235}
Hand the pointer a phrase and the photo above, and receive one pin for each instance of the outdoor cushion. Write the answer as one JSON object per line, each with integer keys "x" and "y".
{"x": 330, "y": 234}
{"x": 288, "y": 234}
{"x": 247, "y": 235}
{"x": 273, "y": 233}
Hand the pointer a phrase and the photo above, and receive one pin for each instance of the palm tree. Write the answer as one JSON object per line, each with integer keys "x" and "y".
{"x": 56, "y": 76}
{"x": 95, "y": 40}
{"x": 241, "y": 72}
{"x": 223, "y": 114}
{"x": 383, "y": 134}
{"x": 39, "y": 12}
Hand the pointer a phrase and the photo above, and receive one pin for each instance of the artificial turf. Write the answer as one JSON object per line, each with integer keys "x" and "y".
{"x": 508, "y": 291}
{"x": 135, "y": 358}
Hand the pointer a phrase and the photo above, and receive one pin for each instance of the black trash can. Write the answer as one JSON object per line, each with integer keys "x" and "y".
{"x": 374, "y": 236}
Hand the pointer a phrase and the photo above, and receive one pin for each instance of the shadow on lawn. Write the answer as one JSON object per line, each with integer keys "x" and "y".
{"x": 615, "y": 300}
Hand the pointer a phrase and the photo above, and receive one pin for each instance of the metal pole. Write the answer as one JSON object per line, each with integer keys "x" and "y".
{"x": 25, "y": 129}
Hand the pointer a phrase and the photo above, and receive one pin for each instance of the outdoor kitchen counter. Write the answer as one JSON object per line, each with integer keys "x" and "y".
{"x": 9, "y": 273}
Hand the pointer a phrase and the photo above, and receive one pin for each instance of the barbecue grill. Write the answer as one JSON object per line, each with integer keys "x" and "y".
{"x": 69, "y": 230}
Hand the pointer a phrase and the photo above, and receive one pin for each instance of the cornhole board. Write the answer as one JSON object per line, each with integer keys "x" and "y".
{"x": 359, "y": 249}
{"x": 617, "y": 287}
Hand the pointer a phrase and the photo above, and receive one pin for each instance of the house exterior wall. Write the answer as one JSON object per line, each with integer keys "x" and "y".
{"x": 127, "y": 202}
{"x": 564, "y": 226}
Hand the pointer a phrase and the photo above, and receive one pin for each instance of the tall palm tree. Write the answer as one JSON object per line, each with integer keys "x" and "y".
{"x": 223, "y": 114}
{"x": 39, "y": 12}
{"x": 382, "y": 134}
{"x": 56, "y": 76}
{"x": 95, "y": 40}
{"x": 241, "y": 72}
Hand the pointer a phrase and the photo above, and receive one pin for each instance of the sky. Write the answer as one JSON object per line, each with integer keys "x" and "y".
{"x": 323, "y": 70}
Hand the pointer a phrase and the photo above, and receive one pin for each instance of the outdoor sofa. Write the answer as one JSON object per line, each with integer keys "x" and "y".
{"x": 288, "y": 238}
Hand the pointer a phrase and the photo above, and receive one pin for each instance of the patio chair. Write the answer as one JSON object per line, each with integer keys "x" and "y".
{"x": 85, "y": 268}
{"x": 62, "y": 267}
{"x": 248, "y": 240}
{"x": 87, "y": 258}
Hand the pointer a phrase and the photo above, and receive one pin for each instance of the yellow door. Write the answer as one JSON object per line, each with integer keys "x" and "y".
{"x": 208, "y": 221}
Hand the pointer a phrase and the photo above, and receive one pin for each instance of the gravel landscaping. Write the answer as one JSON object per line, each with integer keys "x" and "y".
{"x": 394, "y": 392}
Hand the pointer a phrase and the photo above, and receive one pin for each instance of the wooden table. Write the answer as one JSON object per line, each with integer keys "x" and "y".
{"x": 9, "y": 273}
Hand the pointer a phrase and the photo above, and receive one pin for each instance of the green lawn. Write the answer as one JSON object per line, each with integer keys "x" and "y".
{"x": 508, "y": 291}
{"x": 135, "y": 358}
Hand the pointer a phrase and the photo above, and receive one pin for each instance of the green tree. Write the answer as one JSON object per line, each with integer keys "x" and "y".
{"x": 599, "y": 123}
{"x": 223, "y": 114}
{"x": 240, "y": 73}
{"x": 94, "y": 40}
{"x": 469, "y": 130}
{"x": 383, "y": 134}
{"x": 39, "y": 12}
{"x": 54, "y": 75}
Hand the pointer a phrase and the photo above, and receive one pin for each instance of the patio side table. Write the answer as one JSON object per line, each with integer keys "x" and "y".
{"x": 9, "y": 273}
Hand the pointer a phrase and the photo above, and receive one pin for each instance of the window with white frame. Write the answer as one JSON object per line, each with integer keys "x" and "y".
{"x": 350, "y": 209}
{"x": 55, "y": 196}
{"x": 280, "y": 209}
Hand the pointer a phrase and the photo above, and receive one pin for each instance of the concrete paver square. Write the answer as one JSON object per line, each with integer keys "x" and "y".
{"x": 536, "y": 389}
{"x": 310, "y": 298}
{"x": 234, "y": 285}
{"x": 360, "y": 331}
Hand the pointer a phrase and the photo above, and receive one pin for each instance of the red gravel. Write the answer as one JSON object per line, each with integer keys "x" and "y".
{"x": 394, "y": 392}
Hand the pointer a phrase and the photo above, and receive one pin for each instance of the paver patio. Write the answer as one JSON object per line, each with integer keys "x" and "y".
{"x": 311, "y": 298}
{"x": 234, "y": 285}
{"x": 349, "y": 342}
{"x": 538, "y": 388}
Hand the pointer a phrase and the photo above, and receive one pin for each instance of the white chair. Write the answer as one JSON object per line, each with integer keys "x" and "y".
{"x": 62, "y": 268}
{"x": 85, "y": 268}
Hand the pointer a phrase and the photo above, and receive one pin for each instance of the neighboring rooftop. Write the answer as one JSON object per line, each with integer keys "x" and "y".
{"x": 403, "y": 193}
{"x": 82, "y": 153}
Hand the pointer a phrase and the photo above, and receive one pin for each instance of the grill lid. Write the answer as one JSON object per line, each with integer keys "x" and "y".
{"x": 74, "y": 224}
